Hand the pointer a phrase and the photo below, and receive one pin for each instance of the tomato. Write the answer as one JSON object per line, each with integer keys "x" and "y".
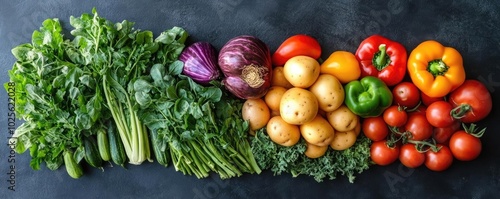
{"x": 440, "y": 160}
{"x": 296, "y": 45}
{"x": 426, "y": 100}
{"x": 442, "y": 135}
{"x": 410, "y": 156}
{"x": 406, "y": 94}
{"x": 382, "y": 154}
{"x": 395, "y": 116}
{"x": 438, "y": 114}
{"x": 474, "y": 94}
{"x": 464, "y": 146}
{"x": 375, "y": 128}
{"x": 419, "y": 110}
{"x": 419, "y": 127}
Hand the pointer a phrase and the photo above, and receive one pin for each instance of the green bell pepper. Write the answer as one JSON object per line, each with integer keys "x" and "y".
{"x": 368, "y": 97}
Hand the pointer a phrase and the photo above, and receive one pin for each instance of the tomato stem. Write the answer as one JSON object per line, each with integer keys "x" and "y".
{"x": 460, "y": 111}
{"x": 381, "y": 59}
{"x": 472, "y": 130}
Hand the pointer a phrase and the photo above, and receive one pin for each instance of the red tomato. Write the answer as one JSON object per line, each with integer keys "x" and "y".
{"x": 442, "y": 135}
{"x": 426, "y": 100}
{"x": 406, "y": 94}
{"x": 382, "y": 154}
{"x": 375, "y": 128}
{"x": 438, "y": 114}
{"x": 296, "y": 45}
{"x": 410, "y": 156}
{"x": 419, "y": 110}
{"x": 474, "y": 94}
{"x": 395, "y": 116}
{"x": 419, "y": 127}
{"x": 464, "y": 146}
{"x": 440, "y": 160}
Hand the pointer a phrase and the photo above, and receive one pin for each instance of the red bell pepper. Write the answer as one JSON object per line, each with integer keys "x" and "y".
{"x": 382, "y": 58}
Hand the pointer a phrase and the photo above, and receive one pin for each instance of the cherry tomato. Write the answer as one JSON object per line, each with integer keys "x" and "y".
{"x": 474, "y": 94}
{"x": 426, "y": 100}
{"x": 406, "y": 94}
{"x": 295, "y": 45}
{"x": 410, "y": 156}
{"x": 464, "y": 146}
{"x": 419, "y": 110}
{"x": 382, "y": 154}
{"x": 395, "y": 116}
{"x": 438, "y": 114}
{"x": 419, "y": 127}
{"x": 442, "y": 135}
{"x": 440, "y": 160}
{"x": 375, "y": 128}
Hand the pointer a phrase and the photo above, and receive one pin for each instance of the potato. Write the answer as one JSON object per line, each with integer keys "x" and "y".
{"x": 273, "y": 97}
{"x": 329, "y": 92}
{"x": 318, "y": 131}
{"x": 279, "y": 79}
{"x": 301, "y": 71}
{"x": 256, "y": 112}
{"x": 343, "y": 140}
{"x": 298, "y": 106}
{"x": 357, "y": 129}
{"x": 342, "y": 119}
{"x": 313, "y": 151}
{"x": 282, "y": 133}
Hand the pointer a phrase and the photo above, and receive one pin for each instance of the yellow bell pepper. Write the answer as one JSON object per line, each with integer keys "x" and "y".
{"x": 435, "y": 69}
{"x": 343, "y": 65}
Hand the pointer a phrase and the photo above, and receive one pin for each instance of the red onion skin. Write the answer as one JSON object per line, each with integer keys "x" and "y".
{"x": 243, "y": 51}
{"x": 200, "y": 62}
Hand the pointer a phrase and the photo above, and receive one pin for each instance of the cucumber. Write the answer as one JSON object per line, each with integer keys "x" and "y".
{"x": 92, "y": 156}
{"x": 160, "y": 155}
{"x": 103, "y": 145}
{"x": 116, "y": 148}
{"x": 72, "y": 167}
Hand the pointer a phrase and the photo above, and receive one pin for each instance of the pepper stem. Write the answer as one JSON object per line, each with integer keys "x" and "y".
{"x": 437, "y": 67}
{"x": 381, "y": 59}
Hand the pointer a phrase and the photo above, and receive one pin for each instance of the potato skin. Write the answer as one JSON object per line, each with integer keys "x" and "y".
{"x": 273, "y": 97}
{"x": 298, "y": 106}
{"x": 329, "y": 92}
{"x": 343, "y": 140}
{"x": 342, "y": 119}
{"x": 318, "y": 131}
{"x": 313, "y": 151}
{"x": 301, "y": 71}
{"x": 282, "y": 133}
{"x": 279, "y": 79}
{"x": 256, "y": 112}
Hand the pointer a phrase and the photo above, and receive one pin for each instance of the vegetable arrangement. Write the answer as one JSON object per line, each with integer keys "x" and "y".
{"x": 116, "y": 94}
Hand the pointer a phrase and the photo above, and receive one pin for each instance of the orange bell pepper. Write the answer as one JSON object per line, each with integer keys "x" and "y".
{"x": 435, "y": 69}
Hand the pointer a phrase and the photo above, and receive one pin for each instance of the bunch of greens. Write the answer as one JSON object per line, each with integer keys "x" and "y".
{"x": 199, "y": 127}
{"x": 280, "y": 159}
{"x": 56, "y": 97}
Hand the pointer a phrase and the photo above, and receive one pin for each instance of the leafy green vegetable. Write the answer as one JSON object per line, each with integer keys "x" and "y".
{"x": 292, "y": 160}
{"x": 201, "y": 127}
{"x": 55, "y": 97}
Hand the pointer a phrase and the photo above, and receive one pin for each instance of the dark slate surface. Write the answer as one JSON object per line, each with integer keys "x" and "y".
{"x": 471, "y": 27}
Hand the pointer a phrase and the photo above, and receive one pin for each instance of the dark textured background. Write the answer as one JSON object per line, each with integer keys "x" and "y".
{"x": 471, "y": 27}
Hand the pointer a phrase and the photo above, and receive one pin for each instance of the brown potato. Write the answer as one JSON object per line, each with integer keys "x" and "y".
{"x": 343, "y": 140}
{"x": 301, "y": 71}
{"x": 282, "y": 133}
{"x": 279, "y": 79}
{"x": 342, "y": 119}
{"x": 329, "y": 92}
{"x": 318, "y": 131}
{"x": 273, "y": 97}
{"x": 313, "y": 151}
{"x": 256, "y": 112}
{"x": 298, "y": 106}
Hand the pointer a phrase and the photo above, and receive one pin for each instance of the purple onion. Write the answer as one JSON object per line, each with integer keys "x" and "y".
{"x": 200, "y": 62}
{"x": 246, "y": 64}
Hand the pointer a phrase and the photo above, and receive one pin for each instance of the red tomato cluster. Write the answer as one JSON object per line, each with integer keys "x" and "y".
{"x": 420, "y": 130}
